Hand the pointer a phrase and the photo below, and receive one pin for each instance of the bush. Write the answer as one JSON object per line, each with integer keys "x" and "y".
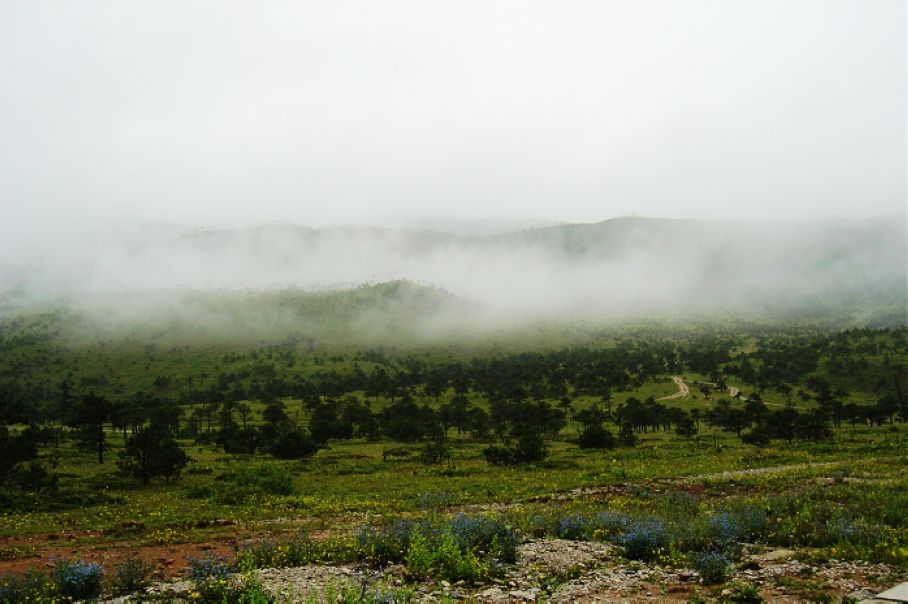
{"x": 596, "y": 437}
{"x": 383, "y": 545}
{"x": 609, "y": 526}
{"x": 198, "y": 491}
{"x": 754, "y": 521}
{"x": 644, "y": 540}
{"x": 297, "y": 551}
{"x": 722, "y": 533}
{"x": 434, "y": 453}
{"x": 34, "y": 586}
{"x": 130, "y": 576}
{"x": 498, "y": 456}
{"x": 294, "y": 444}
{"x": 78, "y": 580}
{"x": 628, "y": 436}
{"x": 457, "y": 564}
{"x": 211, "y": 578}
{"x": 745, "y": 594}
{"x": 418, "y": 559}
{"x": 485, "y": 534}
{"x": 528, "y": 448}
{"x": 712, "y": 566}
{"x": 433, "y": 501}
{"x": 249, "y": 482}
{"x": 842, "y": 530}
{"x": 572, "y": 527}
{"x": 759, "y": 436}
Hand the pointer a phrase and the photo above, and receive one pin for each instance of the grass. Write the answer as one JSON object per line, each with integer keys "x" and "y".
{"x": 351, "y": 478}
{"x": 673, "y": 501}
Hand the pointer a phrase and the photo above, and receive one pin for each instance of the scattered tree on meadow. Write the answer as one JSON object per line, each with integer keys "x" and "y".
{"x": 151, "y": 452}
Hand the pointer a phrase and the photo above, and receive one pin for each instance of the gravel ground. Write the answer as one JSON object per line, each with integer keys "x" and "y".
{"x": 557, "y": 570}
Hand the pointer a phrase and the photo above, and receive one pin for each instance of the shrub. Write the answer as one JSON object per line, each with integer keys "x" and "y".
{"x": 572, "y": 527}
{"x": 628, "y": 436}
{"x": 266, "y": 479}
{"x": 419, "y": 558}
{"x": 456, "y": 564}
{"x": 498, "y": 456}
{"x": 382, "y": 545}
{"x": 841, "y": 530}
{"x": 34, "y": 586}
{"x": 528, "y": 448}
{"x": 201, "y": 569}
{"x": 130, "y": 576}
{"x": 609, "y": 526}
{"x": 430, "y": 501}
{"x": 645, "y": 539}
{"x": 753, "y": 520}
{"x": 211, "y": 578}
{"x": 745, "y": 594}
{"x": 485, "y": 534}
{"x": 434, "y": 453}
{"x": 596, "y": 437}
{"x": 712, "y": 566}
{"x": 682, "y": 500}
{"x": 198, "y": 491}
{"x": 294, "y": 444}
{"x": 78, "y": 580}
{"x": 723, "y": 532}
{"x": 759, "y": 436}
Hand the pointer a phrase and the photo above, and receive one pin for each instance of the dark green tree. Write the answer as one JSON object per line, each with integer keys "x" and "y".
{"x": 151, "y": 452}
{"x": 90, "y": 414}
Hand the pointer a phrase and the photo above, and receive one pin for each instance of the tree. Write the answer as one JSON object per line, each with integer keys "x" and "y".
{"x": 888, "y": 406}
{"x": 90, "y": 414}
{"x": 152, "y": 452}
{"x": 244, "y": 410}
{"x": 686, "y": 426}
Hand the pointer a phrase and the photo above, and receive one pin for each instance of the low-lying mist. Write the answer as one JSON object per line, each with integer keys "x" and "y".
{"x": 275, "y": 280}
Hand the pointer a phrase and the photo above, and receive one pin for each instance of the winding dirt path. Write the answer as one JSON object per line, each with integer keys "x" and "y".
{"x": 683, "y": 390}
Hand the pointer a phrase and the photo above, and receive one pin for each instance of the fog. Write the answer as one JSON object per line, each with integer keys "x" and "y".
{"x": 156, "y": 149}
{"x": 851, "y": 271}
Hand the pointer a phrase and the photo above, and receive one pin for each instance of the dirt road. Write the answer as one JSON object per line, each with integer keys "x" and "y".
{"x": 683, "y": 390}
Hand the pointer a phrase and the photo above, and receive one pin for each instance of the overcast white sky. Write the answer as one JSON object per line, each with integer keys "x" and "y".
{"x": 215, "y": 112}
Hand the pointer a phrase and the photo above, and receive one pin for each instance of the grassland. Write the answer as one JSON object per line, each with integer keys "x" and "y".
{"x": 833, "y": 501}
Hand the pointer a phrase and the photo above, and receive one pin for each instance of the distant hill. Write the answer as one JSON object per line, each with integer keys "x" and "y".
{"x": 624, "y": 266}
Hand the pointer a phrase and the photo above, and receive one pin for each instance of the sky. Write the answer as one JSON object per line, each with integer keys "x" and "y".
{"x": 361, "y": 112}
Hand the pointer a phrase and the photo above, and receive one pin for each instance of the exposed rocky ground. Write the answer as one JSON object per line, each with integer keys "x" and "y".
{"x": 557, "y": 570}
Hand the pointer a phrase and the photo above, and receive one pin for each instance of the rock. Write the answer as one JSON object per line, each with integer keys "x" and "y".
{"x": 527, "y": 595}
{"x": 899, "y": 593}
{"x": 774, "y": 555}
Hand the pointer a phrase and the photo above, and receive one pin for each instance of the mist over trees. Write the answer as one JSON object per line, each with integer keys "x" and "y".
{"x": 621, "y": 268}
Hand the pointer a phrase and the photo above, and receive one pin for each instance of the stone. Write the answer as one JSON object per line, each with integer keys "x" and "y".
{"x": 526, "y": 595}
{"x": 776, "y": 554}
{"x": 899, "y": 593}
